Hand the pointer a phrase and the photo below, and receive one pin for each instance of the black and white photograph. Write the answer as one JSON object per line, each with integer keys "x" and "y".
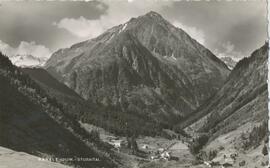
{"x": 134, "y": 84}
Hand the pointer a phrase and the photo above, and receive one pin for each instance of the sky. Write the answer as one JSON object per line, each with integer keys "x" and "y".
{"x": 227, "y": 28}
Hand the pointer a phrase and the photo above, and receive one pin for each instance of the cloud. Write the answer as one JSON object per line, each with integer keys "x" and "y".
{"x": 117, "y": 13}
{"x": 81, "y": 27}
{"x": 194, "y": 32}
{"x": 26, "y": 48}
{"x": 6, "y": 49}
{"x": 228, "y": 46}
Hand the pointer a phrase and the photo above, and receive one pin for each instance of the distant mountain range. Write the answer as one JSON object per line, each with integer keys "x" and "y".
{"x": 27, "y": 60}
{"x": 229, "y": 62}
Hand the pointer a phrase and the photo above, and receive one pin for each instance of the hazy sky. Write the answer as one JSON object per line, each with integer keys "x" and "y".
{"x": 227, "y": 28}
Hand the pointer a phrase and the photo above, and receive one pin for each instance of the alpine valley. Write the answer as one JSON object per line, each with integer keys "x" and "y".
{"x": 143, "y": 94}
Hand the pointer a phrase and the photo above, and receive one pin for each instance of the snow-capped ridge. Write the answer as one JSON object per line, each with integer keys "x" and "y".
{"x": 230, "y": 62}
{"x": 27, "y": 60}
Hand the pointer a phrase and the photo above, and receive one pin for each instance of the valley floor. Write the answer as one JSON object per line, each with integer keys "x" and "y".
{"x": 154, "y": 148}
{"x": 153, "y": 152}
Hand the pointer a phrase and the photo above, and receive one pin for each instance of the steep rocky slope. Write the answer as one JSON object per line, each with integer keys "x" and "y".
{"x": 33, "y": 122}
{"x": 111, "y": 118}
{"x": 234, "y": 122}
{"x": 146, "y": 68}
{"x": 242, "y": 99}
{"x": 73, "y": 104}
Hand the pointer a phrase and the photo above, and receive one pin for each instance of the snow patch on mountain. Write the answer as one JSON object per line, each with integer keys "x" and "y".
{"x": 230, "y": 62}
{"x": 124, "y": 27}
{"x": 27, "y": 60}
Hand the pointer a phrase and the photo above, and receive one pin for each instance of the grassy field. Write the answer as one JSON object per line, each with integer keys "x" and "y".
{"x": 14, "y": 159}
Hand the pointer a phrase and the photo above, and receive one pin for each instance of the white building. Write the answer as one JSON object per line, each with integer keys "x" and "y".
{"x": 116, "y": 143}
{"x": 165, "y": 155}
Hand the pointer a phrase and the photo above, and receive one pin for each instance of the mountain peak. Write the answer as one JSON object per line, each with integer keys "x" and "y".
{"x": 153, "y": 14}
{"x": 135, "y": 58}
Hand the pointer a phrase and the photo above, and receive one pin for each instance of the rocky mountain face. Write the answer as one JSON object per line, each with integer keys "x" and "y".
{"x": 34, "y": 122}
{"x": 239, "y": 108}
{"x": 108, "y": 117}
{"x": 146, "y": 67}
{"x": 229, "y": 62}
{"x": 27, "y": 61}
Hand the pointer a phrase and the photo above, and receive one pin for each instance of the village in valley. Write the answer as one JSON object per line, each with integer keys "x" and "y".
{"x": 162, "y": 151}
